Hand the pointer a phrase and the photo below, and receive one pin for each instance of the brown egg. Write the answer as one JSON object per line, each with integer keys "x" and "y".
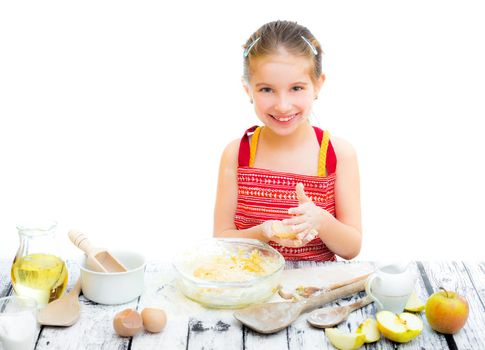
{"x": 154, "y": 319}
{"x": 127, "y": 323}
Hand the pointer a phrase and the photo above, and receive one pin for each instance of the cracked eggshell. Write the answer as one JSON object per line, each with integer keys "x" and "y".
{"x": 127, "y": 323}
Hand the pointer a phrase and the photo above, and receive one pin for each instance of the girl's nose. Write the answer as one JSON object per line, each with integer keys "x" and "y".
{"x": 283, "y": 104}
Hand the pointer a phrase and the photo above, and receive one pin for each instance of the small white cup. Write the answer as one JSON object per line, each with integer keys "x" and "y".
{"x": 18, "y": 323}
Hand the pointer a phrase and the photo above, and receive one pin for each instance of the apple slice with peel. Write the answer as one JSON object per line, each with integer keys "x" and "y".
{"x": 344, "y": 341}
{"x": 370, "y": 330}
{"x": 281, "y": 230}
{"x": 414, "y": 304}
{"x": 400, "y": 328}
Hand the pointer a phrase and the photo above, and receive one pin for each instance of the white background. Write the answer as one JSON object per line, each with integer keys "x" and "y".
{"x": 113, "y": 116}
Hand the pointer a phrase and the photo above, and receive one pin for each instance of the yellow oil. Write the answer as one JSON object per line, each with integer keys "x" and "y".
{"x": 40, "y": 276}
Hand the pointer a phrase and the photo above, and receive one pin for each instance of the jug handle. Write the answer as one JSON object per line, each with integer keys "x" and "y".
{"x": 368, "y": 288}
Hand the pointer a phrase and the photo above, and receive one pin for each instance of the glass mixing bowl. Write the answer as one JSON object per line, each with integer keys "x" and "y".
{"x": 229, "y": 272}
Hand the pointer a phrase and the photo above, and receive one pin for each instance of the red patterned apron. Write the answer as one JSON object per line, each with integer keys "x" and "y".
{"x": 267, "y": 195}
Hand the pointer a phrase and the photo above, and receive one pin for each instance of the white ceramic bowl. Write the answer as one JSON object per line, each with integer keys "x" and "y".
{"x": 234, "y": 294}
{"x": 116, "y": 287}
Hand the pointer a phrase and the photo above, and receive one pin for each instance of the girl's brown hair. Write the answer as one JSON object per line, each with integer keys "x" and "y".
{"x": 288, "y": 35}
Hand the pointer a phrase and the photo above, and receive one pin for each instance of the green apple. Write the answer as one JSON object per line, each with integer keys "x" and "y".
{"x": 370, "y": 330}
{"x": 344, "y": 341}
{"x": 446, "y": 311}
{"x": 400, "y": 328}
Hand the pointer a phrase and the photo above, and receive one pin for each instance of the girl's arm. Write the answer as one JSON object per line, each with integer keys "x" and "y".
{"x": 343, "y": 234}
{"x": 226, "y": 199}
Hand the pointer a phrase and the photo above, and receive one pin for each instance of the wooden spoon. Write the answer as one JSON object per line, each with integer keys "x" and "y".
{"x": 97, "y": 259}
{"x": 63, "y": 311}
{"x": 324, "y": 318}
{"x": 273, "y": 317}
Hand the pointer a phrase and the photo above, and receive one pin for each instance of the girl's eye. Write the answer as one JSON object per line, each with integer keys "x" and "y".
{"x": 265, "y": 89}
{"x": 297, "y": 88}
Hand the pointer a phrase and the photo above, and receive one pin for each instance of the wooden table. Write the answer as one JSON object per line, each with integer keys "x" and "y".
{"x": 191, "y": 326}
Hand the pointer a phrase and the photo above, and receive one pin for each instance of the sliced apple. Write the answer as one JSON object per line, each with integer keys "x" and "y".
{"x": 281, "y": 230}
{"x": 370, "y": 330}
{"x": 344, "y": 341}
{"x": 400, "y": 328}
{"x": 414, "y": 304}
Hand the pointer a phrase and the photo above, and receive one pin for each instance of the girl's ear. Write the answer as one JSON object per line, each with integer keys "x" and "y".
{"x": 319, "y": 84}
{"x": 246, "y": 88}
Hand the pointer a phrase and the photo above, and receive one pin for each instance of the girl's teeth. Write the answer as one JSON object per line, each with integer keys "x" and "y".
{"x": 285, "y": 119}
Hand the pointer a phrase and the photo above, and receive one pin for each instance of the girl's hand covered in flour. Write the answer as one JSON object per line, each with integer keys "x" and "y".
{"x": 309, "y": 219}
{"x": 291, "y": 235}
{"x": 300, "y": 240}
{"x": 287, "y": 236}
{"x": 267, "y": 229}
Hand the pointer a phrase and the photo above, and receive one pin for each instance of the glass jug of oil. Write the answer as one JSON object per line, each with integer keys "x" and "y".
{"x": 37, "y": 270}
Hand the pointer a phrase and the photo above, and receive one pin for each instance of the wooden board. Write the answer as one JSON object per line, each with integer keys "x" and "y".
{"x": 324, "y": 275}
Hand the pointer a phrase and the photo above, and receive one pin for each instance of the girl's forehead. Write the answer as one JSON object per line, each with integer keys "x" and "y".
{"x": 282, "y": 66}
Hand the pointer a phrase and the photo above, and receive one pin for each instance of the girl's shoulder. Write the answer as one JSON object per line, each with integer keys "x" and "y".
{"x": 231, "y": 152}
{"x": 232, "y": 147}
{"x": 343, "y": 149}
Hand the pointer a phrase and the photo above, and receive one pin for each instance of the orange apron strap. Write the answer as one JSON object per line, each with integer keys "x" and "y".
{"x": 253, "y": 146}
{"x": 322, "y": 159}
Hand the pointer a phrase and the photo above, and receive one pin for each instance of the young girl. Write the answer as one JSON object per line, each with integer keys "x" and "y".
{"x": 288, "y": 183}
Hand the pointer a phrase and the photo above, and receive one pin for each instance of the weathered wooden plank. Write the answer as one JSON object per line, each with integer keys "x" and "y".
{"x": 161, "y": 292}
{"x": 454, "y": 276}
{"x": 93, "y": 330}
{"x": 303, "y": 336}
{"x": 216, "y": 330}
{"x": 476, "y": 272}
{"x": 5, "y": 280}
{"x": 254, "y": 341}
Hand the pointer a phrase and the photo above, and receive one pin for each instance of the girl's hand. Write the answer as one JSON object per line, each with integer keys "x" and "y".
{"x": 267, "y": 230}
{"x": 308, "y": 216}
{"x": 302, "y": 237}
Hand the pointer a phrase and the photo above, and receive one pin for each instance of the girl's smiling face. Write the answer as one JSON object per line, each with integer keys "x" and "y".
{"x": 282, "y": 90}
